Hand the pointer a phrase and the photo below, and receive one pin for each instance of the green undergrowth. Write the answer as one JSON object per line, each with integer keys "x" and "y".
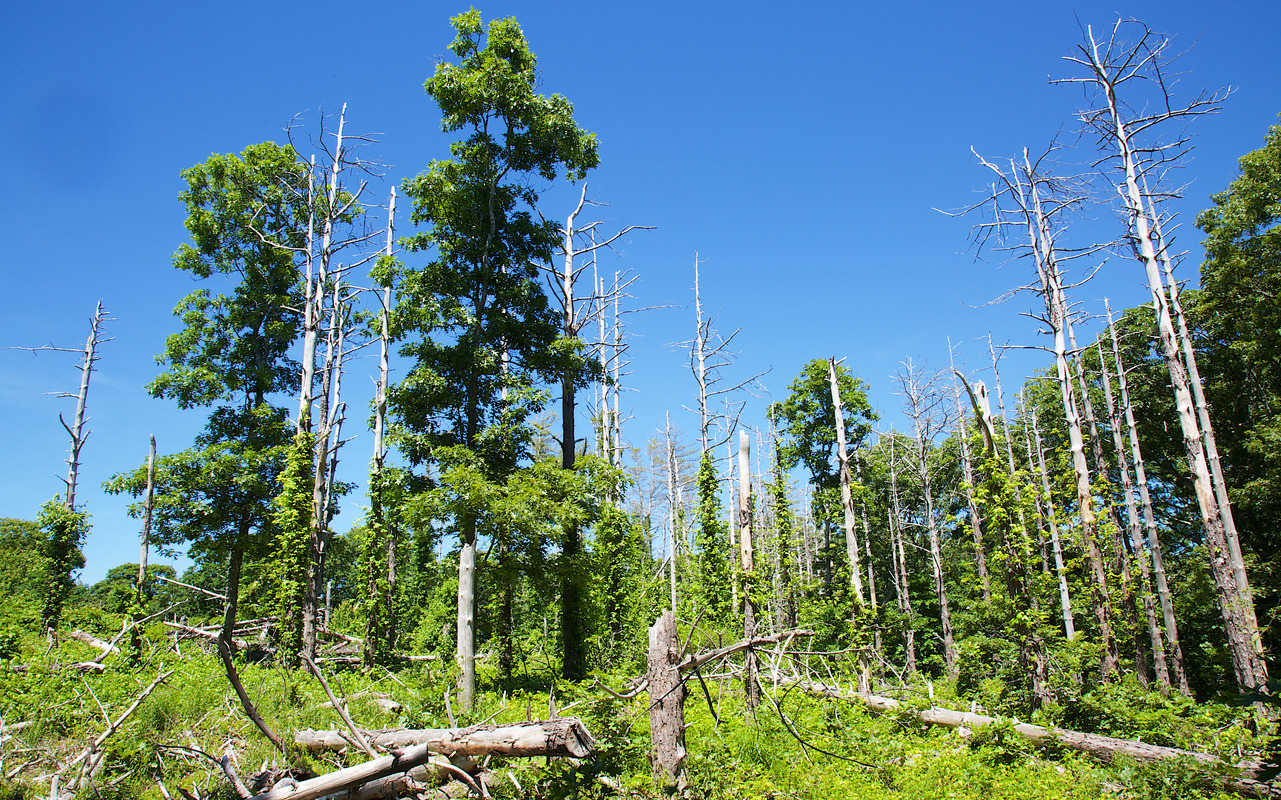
{"x": 793, "y": 746}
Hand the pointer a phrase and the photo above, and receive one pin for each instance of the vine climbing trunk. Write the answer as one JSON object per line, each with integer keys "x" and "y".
{"x": 747, "y": 566}
{"x": 851, "y": 538}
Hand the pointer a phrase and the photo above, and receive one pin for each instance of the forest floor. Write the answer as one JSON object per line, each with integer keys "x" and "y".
{"x": 795, "y": 745}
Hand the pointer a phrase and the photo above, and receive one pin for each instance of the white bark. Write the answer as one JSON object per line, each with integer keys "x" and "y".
{"x": 747, "y": 566}
{"x": 1149, "y": 521}
{"x": 1135, "y": 530}
{"x": 1114, "y": 121}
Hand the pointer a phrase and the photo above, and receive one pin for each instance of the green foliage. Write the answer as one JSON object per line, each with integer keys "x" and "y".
{"x": 712, "y": 539}
{"x": 293, "y": 521}
{"x": 808, "y": 420}
{"x": 22, "y": 571}
{"x": 626, "y": 601}
{"x": 65, "y": 532}
{"x": 1238, "y": 337}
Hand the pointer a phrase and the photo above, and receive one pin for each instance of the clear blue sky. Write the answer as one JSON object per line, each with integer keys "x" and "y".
{"x": 800, "y": 148}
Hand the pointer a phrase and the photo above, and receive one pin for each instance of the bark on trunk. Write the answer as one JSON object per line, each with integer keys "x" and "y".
{"x": 1149, "y": 521}
{"x": 1234, "y": 603}
{"x": 563, "y": 737}
{"x": 847, "y": 507}
{"x": 517, "y": 740}
{"x": 1103, "y": 748}
{"x": 666, "y": 705}
{"x": 751, "y": 689}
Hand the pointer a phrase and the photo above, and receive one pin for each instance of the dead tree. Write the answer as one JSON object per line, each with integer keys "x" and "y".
{"x": 967, "y": 467}
{"x": 924, "y": 406}
{"x": 1134, "y": 528}
{"x": 1129, "y": 135}
{"x": 899, "y": 555}
{"x": 847, "y": 507}
{"x": 1027, "y": 199}
{"x": 76, "y": 430}
{"x": 710, "y": 356}
{"x": 666, "y": 705}
{"x": 1120, "y": 560}
{"x": 747, "y": 566}
{"x": 577, "y": 242}
{"x": 1149, "y": 519}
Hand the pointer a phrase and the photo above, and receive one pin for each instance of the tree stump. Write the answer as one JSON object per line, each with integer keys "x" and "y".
{"x": 666, "y": 705}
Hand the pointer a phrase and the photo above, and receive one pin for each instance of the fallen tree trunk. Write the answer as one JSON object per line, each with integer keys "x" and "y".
{"x": 565, "y": 736}
{"x": 693, "y": 662}
{"x": 1243, "y": 781}
{"x": 107, "y": 648}
{"x": 560, "y": 737}
{"x": 200, "y": 633}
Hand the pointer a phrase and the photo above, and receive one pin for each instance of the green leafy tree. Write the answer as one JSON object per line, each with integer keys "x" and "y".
{"x": 116, "y": 593}
{"x": 247, "y": 215}
{"x": 65, "y": 532}
{"x": 21, "y": 574}
{"x": 713, "y": 563}
{"x": 807, "y": 433}
{"x": 1240, "y": 336}
{"x": 486, "y": 335}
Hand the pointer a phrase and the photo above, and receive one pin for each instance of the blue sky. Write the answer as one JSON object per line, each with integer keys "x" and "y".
{"x": 800, "y": 148}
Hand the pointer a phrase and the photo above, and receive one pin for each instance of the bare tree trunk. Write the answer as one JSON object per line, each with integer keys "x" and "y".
{"x": 673, "y": 504}
{"x": 1023, "y": 187}
{"x": 976, "y": 524}
{"x": 1149, "y": 522}
{"x": 1207, "y": 429}
{"x": 1065, "y": 598}
{"x": 747, "y": 565}
{"x": 1235, "y": 604}
{"x": 1135, "y": 530}
{"x": 731, "y": 521}
{"x": 847, "y": 506}
{"x": 1056, "y": 309}
{"x": 921, "y": 403}
{"x": 1120, "y": 562}
{"x": 904, "y": 595}
{"x": 76, "y": 429}
{"x": 147, "y": 506}
{"x": 666, "y": 705}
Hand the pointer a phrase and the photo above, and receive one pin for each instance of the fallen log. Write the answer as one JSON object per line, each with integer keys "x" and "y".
{"x": 563, "y": 736}
{"x": 693, "y": 662}
{"x": 107, "y": 648}
{"x": 200, "y": 633}
{"x": 1241, "y": 777}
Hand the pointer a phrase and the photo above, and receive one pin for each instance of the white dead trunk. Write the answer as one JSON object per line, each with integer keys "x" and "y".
{"x": 1115, "y": 122}
{"x": 1135, "y": 530}
{"x": 847, "y": 506}
{"x": 747, "y": 567}
{"x": 922, "y": 403}
{"x": 1149, "y": 520}
{"x": 76, "y": 429}
{"x": 1065, "y": 597}
{"x": 148, "y": 505}
{"x": 967, "y": 471}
